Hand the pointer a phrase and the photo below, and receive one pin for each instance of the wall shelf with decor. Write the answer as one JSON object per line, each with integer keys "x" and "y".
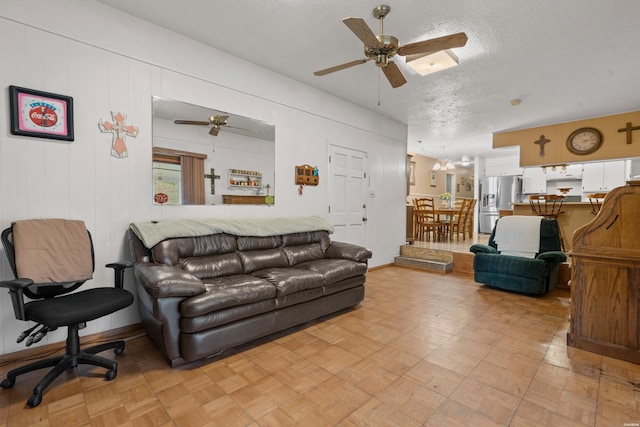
{"x": 241, "y": 179}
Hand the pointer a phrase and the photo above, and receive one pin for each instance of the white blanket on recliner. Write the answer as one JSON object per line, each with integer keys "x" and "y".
{"x": 518, "y": 235}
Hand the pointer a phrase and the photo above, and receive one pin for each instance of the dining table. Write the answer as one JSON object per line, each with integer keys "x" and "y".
{"x": 442, "y": 212}
{"x": 450, "y": 212}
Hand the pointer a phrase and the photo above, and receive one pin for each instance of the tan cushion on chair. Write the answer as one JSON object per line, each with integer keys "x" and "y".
{"x": 52, "y": 250}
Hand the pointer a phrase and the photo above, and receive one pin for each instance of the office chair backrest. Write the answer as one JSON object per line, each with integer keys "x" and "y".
{"x": 45, "y": 288}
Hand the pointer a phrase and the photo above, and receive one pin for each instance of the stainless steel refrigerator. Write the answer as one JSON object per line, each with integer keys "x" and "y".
{"x": 496, "y": 193}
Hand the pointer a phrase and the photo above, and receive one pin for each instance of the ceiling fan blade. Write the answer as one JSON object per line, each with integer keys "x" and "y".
{"x": 190, "y": 122}
{"x": 394, "y": 75}
{"x": 340, "y": 67}
{"x": 214, "y": 131}
{"x": 433, "y": 45}
{"x": 362, "y": 31}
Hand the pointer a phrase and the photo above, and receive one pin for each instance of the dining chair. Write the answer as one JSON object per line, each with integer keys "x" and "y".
{"x": 428, "y": 226}
{"x": 468, "y": 220}
{"x": 458, "y": 221}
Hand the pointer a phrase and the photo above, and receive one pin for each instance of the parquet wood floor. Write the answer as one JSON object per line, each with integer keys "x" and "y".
{"x": 423, "y": 349}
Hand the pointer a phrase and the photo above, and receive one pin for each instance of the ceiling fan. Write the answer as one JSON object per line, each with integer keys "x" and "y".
{"x": 216, "y": 122}
{"x": 383, "y": 47}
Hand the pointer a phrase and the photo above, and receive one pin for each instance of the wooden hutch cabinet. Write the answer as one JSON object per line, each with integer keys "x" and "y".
{"x": 605, "y": 282}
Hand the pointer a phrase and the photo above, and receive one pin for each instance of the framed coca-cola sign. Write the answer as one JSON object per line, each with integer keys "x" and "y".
{"x": 41, "y": 114}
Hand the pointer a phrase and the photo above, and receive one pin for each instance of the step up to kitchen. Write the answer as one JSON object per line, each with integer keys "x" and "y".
{"x": 426, "y": 264}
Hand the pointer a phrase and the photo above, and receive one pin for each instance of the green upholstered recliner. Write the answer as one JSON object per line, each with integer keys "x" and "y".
{"x": 531, "y": 276}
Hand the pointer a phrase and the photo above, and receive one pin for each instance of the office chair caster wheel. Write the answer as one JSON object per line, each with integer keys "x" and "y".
{"x": 118, "y": 350}
{"x": 8, "y": 382}
{"x": 111, "y": 374}
{"x": 34, "y": 400}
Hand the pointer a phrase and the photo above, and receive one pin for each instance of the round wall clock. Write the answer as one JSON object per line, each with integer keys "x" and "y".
{"x": 585, "y": 141}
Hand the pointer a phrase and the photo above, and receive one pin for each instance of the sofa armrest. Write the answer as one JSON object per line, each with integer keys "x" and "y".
{"x": 347, "y": 251}
{"x": 162, "y": 281}
{"x": 483, "y": 249}
{"x": 552, "y": 256}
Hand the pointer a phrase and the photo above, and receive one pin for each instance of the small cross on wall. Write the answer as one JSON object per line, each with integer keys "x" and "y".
{"x": 120, "y": 130}
{"x": 629, "y": 129}
{"x": 213, "y": 177}
{"x": 541, "y": 142}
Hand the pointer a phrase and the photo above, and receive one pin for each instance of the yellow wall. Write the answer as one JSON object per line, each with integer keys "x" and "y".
{"x": 614, "y": 143}
{"x": 423, "y": 166}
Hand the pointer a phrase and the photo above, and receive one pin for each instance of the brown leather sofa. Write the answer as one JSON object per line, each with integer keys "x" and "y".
{"x": 201, "y": 295}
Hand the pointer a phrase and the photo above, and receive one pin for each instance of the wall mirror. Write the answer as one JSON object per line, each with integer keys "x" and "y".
{"x": 205, "y": 156}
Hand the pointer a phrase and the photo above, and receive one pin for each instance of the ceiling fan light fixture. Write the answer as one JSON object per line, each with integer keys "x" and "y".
{"x": 431, "y": 63}
{"x": 382, "y": 60}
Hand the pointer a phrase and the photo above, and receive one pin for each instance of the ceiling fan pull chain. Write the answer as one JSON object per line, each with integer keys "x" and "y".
{"x": 379, "y": 72}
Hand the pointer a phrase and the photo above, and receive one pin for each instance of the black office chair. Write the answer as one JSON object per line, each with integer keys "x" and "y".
{"x": 53, "y": 304}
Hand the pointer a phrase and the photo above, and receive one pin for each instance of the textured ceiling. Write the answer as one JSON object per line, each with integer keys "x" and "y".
{"x": 566, "y": 60}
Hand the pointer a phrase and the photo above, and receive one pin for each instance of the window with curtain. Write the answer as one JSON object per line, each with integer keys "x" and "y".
{"x": 179, "y": 175}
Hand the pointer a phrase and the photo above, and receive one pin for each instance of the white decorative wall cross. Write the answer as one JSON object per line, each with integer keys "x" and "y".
{"x": 119, "y": 129}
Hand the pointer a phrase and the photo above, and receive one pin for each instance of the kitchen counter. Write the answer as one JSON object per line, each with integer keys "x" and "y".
{"x": 576, "y": 214}
{"x": 563, "y": 204}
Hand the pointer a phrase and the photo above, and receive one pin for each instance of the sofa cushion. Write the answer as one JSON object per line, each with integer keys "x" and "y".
{"x": 298, "y": 297}
{"x": 259, "y": 260}
{"x": 295, "y": 239}
{"x": 172, "y": 251}
{"x": 335, "y": 270}
{"x": 290, "y": 280}
{"x": 303, "y": 253}
{"x": 352, "y": 282}
{"x": 212, "y": 266}
{"x": 191, "y": 325}
{"x": 252, "y": 243}
{"x": 224, "y": 292}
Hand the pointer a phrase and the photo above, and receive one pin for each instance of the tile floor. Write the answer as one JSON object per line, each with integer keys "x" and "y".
{"x": 423, "y": 349}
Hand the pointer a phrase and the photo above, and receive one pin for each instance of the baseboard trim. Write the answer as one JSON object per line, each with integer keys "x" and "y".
{"x": 379, "y": 267}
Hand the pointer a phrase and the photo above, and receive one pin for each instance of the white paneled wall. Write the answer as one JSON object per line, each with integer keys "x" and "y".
{"x": 110, "y": 62}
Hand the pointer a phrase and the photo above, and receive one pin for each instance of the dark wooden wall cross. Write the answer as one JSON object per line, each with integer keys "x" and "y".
{"x": 628, "y": 129}
{"x": 213, "y": 177}
{"x": 541, "y": 142}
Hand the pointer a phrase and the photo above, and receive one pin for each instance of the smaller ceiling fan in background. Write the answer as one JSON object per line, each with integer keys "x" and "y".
{"x": 216, "y": 122}
{"x": 383, "y": 47}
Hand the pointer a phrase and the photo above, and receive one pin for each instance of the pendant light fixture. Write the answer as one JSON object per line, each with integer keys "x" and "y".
{"x": 443, "y": 164}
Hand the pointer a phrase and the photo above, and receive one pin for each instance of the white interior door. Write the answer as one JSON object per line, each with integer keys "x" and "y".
{"x": 347, "y": 188}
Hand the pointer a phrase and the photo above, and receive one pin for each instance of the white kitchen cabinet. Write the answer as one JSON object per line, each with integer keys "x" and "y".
{"x": 569, "y": 172}
{"x": 502, "y": 166}
{"x": 534, "y": 181}
{"x": 502, "y": 170}
{"x": 603, "y": 176}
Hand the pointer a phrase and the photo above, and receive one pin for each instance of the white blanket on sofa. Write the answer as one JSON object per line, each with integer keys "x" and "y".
{"x": 153, "y": 232}
{"x": 518, "y": 235}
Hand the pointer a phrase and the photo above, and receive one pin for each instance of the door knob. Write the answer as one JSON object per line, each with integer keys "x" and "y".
{"x": 364, "y": 219}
